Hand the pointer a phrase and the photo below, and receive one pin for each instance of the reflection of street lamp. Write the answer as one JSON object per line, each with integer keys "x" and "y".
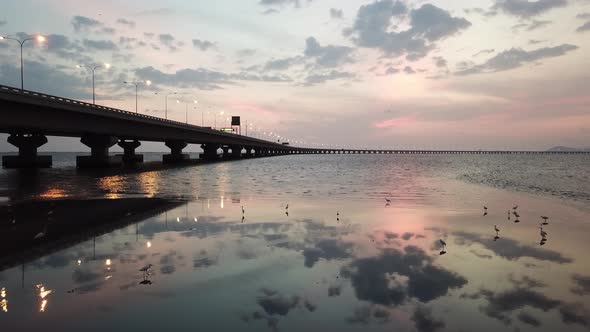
{"x": 137, "y": 84}
{"x": 93, "y": 69}
{"x": 166, "y": 101}
{"x": 40, "y": 39}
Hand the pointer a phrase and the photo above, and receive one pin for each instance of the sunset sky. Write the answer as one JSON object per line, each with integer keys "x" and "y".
{"x": 464, "y": 74}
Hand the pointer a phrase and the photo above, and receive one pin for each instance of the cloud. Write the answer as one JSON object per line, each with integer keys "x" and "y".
{"x": 531, "y": 25}
{"x": 2, "y": 23}
{"x": 371, "y": 277}
{"x": 408, "y": 70}
{"x": 86, "y": 24}
{"x": 169, "y": 41}
{"x": 584, "y": 27}
{"x": 126, "y": 22}
{"x": 247, "y": 52}
{"x": 336, "y": 13}
{"x": 270, "y": 11}
{"x": 488, "y": 51}
{"x": 295, "y": 3}
{"x": 425, "y": 321}
{"x": 583, "y": 16}
{"x": 99, "y": 45}
{"x": 407, "y": 236}
{"x": 327, "y": 56}
{"x": 82, "y": 23}
{"x": 517, "y": 57}
{"x": 157, "y": 12}
{"x": 526, "y": 8}
{"x": 327, "y": 76}
{"x": 440, "y": 62}
{"x": 281, "y": 64}
{"x": 201, "y": 78}
{"x": 428, "y": 24}
{"x": 203, "y": 45}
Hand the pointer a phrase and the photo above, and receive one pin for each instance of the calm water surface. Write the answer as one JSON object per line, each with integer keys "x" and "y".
{"x": 338, "y": 258}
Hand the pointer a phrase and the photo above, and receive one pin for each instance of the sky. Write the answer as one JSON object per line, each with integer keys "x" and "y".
{"x": 440, "y": 74}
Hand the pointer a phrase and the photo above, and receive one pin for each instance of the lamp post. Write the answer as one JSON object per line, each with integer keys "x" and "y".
{"x": 93, "y": 68}
{"x": 215, "y": 123}
{"x": 166, "y": 101}
{"x": 137, "y": 84}
{"x": 40, "y": 39}
{"x": 186, "y": 109}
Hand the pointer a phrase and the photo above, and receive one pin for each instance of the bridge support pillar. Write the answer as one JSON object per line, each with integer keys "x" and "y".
{"x": 129, "y": 156}
{"x": 248, "y": 152}
{"x": 27, "y": 152}
{"x": 209, "y": 152}
{"x": 99, "y": 152}
{"x": 176, "y": 155}
{"x": 236, "y": 152}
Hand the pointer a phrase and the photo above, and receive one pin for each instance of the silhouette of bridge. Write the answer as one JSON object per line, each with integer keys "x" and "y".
{"x": 30, "y": 116}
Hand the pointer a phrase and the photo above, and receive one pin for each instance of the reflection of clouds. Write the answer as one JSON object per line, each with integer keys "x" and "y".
{"x": 510, "y": 249}
{"x": 334, "y": 290}
{"x": 203, "y": 262}
{"x": 327, "y": 249}
{"x": 529, "y": 319}
{"x": 575, "y": 313}
{"x": 407, "y": 236}
{"x": 274, "y": 304}
{"x": 168, "y": 262}
{"x": 425, "y": 321}
{"x": 582, "y": 284}
{"x": 367, "y": 313}
{"x": 373, "y": 279}
{"x": 500, "y": 305}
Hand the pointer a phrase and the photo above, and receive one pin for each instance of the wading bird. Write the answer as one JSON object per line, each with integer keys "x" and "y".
{"x": 243, "y": 209}
{"x": 444, "y": 245}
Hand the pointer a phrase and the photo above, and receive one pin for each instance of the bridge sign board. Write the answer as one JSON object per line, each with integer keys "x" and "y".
{"x": 235, "y": 120}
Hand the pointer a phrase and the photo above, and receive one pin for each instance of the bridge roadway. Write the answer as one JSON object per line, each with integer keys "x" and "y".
{"x": 29, "y": 116}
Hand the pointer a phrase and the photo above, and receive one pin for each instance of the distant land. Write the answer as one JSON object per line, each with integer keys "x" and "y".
{"x": 568, "y": 149}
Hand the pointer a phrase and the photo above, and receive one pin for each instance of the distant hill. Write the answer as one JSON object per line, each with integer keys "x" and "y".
{"x": 567, "y": 149}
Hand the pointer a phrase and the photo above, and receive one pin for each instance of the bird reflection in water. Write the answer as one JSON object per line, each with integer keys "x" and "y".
{"x": 43, "y": 293}
{"x": 146, "y": 273}
{"x": 497, "y": 233}
{"x": 4, "y": 301}
{"x": 543, "y": 236}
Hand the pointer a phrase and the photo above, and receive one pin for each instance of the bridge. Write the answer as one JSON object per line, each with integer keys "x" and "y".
{"x": 30, "y": 116}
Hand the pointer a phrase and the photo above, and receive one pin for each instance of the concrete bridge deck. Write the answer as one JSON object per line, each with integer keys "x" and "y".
{"x": 30, "y": 116}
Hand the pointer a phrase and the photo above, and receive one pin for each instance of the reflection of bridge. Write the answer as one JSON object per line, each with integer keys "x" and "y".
{"x": 28, "y": 116}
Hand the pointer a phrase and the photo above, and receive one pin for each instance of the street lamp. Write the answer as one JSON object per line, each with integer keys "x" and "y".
{"x": 93, "y": 68}
{"x": 215, "y": 123}
{"x": 166, "y": 101}
{"x": 186, "y": 109}
{"x": 39, "y": 38}
{"x": 137, "y": 84}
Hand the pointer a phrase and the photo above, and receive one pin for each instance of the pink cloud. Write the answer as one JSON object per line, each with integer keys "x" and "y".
{"x": 395, "y": 122}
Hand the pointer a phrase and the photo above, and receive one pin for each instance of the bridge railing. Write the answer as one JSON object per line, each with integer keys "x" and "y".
{"x": 67, "y": 101}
